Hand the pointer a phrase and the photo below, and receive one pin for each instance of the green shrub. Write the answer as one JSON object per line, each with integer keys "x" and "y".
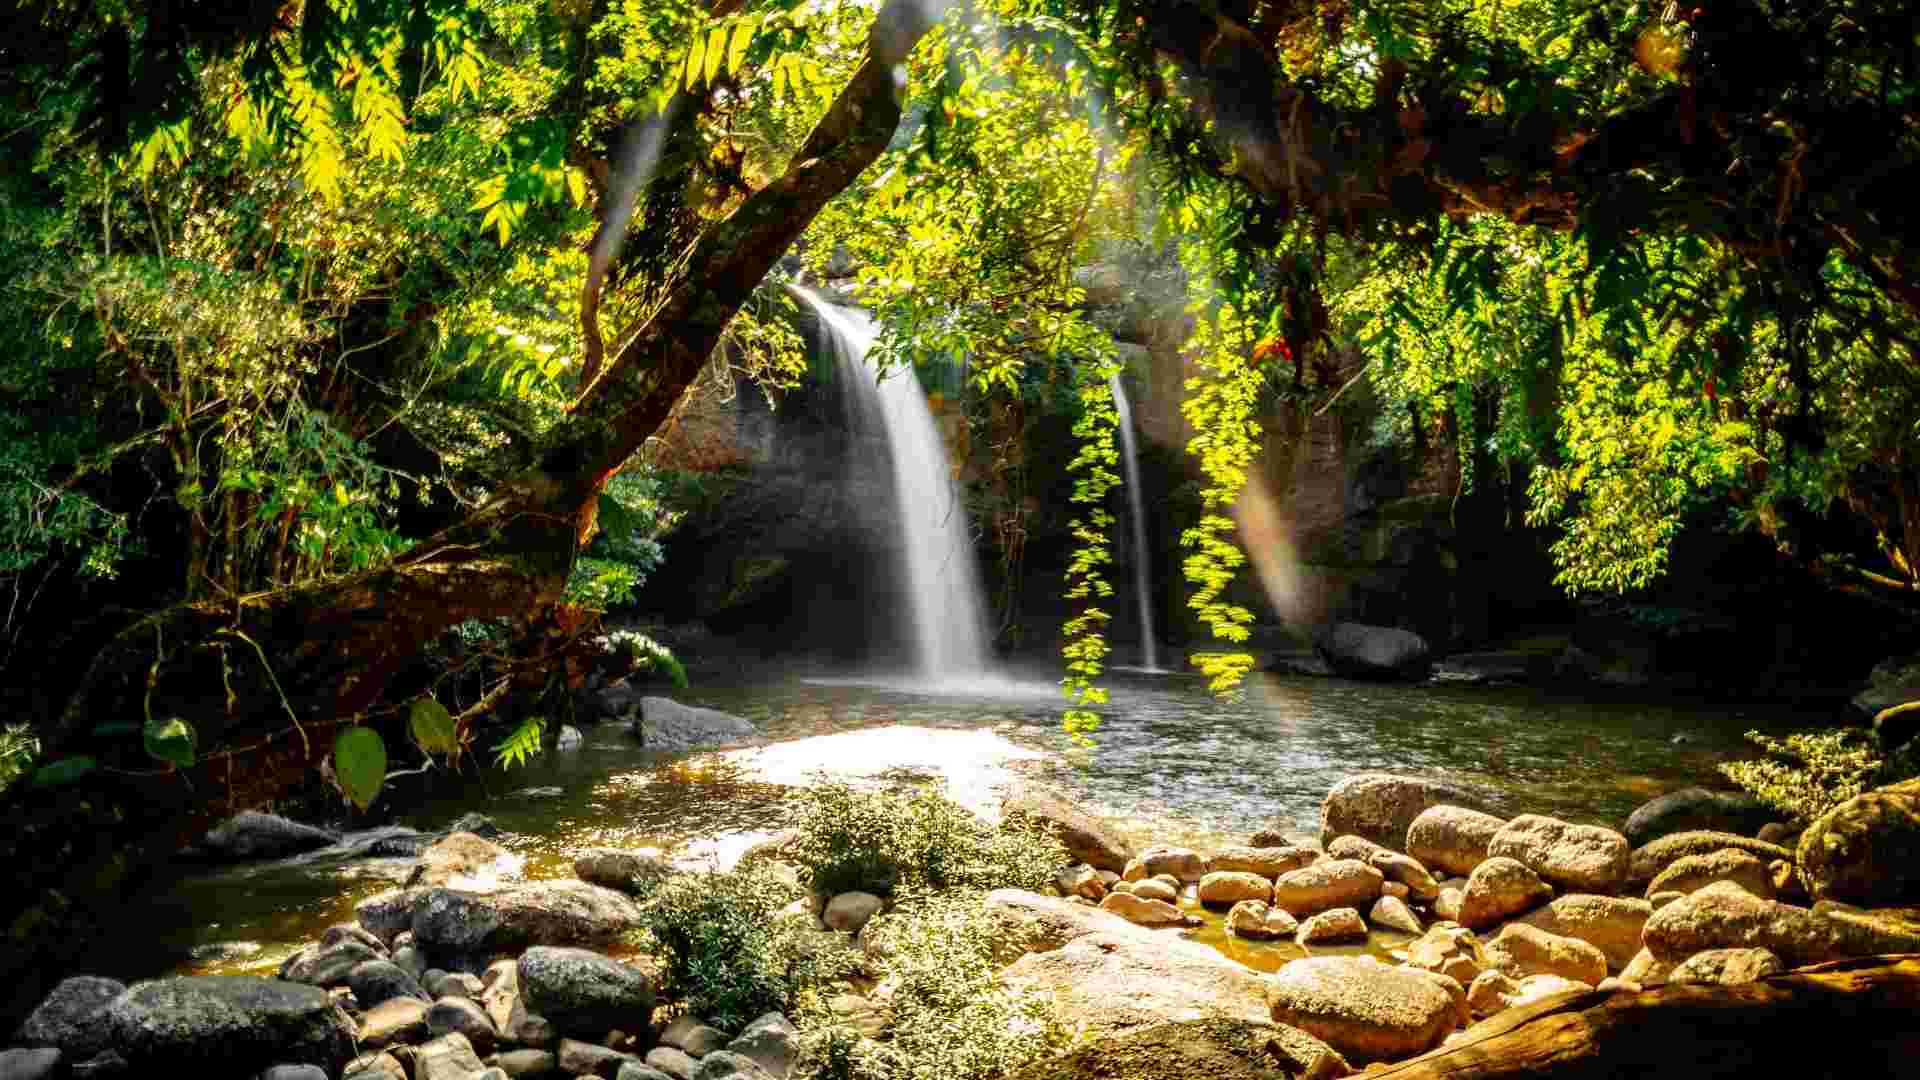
{"x": 18, "y": 746}
{"x": 950, "y": 1019}
{"x": 887, "y": 844}
{"x": 1808, "y": 773}
{"x": 726, "y": 953}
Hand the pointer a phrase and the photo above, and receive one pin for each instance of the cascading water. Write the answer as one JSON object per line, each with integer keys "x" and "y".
{"x": 1142, "y": 564}
{"x": 949, "y": 620}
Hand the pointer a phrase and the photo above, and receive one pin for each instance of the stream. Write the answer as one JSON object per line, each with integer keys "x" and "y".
{"x": 1171, "y": 764}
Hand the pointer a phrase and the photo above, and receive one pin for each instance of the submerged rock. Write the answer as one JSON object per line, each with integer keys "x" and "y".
{"x": 463, "y": 860}
{"x": 1359, "y": 651}
{"x": 254, "y": 835}
{"x": 665, "y": 724}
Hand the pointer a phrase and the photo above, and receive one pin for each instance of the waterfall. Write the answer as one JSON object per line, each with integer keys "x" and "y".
{"x": 1142, "y": 562}
{"x": 944, "y": 593}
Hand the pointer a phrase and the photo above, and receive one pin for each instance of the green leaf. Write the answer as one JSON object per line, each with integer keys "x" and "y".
{"x": 521, "y": 745}
{"x": 360, "y": 763}
{"x": 64, "y": 771}
{"x": 433, "y": 727}
{"x": 170, "y": 740}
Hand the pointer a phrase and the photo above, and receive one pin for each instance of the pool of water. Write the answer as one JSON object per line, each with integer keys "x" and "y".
{"x": 1171, "y": 764}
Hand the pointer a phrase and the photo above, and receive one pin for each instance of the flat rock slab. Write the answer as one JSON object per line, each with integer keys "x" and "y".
{"x": 1212, "y": 1049}
{"x": 1101, "y": 983}
{"x": 450, "y": 921}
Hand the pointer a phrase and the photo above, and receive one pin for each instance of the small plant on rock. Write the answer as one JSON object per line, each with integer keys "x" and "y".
{"x": 887, "y": 844}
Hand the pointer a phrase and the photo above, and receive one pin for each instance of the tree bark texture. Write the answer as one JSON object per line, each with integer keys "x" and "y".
{"x": 1851, "y": 1018}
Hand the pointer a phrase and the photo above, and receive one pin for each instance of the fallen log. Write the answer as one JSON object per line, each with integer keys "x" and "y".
{"x": 1850, "y": 1018}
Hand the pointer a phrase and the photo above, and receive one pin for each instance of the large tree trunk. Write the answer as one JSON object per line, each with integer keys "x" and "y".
{"x": 1852, "y": 1018}
{"x": 267, "y": 683}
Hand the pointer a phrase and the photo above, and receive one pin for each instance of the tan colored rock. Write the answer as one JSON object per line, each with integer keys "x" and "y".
{"x": 1081, "y": 880}
{"x": 1121, "y": 886}
{"x": 1490, "y": 992}
{"x": 849, "y": 911}
{"x": 1662, "y": 899}
{"x": 1361, "y": 1008}
{"x": 1143, "y": 912}
{"x": 1233, "y": 886}
{"x": 1393, "y": 914}
{"x": 1184, "y": 864}
{"x": 1155, "y": 889}
{"x": 1725, "y": 916}
{"x": 1339, "y": 924}
{"x": 1406, "y": 870}
{"x": 1648, "y": 861}
{"x": 1692, "y": 872}
{"x": 1647, "y": 970}
{"x": 1397, "y": 890}
{"x": 1614, "y": 982}
{"x": 1268, "y": 862}
{"x": 1575, "y": 858}
{"x": 1452, "y": 839}
{"x": 1500, "y": 887}
{"x": 395, "y": 1020}
{"x": 1727, "y": 967}
{"x": 1356, "y": 847}
{"x": 1380, "y": 806}
{"x": 1102, "y": 983}
{"x": 1026, "y": 922}
{"x": 1536, "y": 987}
{"x": 1462, "y": 1015}
{"x": 1520, "y": 950}
{"x": 1327, "y": 884}
{"x": 1609, "y": 923}
{"x": 1453, "y": 952}
{"x": 1255, "y": 920}
{"x": 463, "y": 860}
{"x": 1449, "y": 903}
{"x": 1086, "y": 838}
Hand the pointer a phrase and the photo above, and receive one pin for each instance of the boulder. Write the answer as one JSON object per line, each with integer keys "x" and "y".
{"x": 1499, "y": 888}
{"x": 727, "y": 1065}
{"x": 1086, "y": 838}
{"x": 582, "y": 1058}
{"x": 1452, "y": 839}
{"x": 1268, "y": 862}
{"x": 463, "y": 860}
{"x": 1608, "y": 923}
{"x": 1725, "y": 916}
{"x": 69, "y": 1017}
{"x": 1867, "y": 849}
{"x": 1448, "y": 904}
{"x": 1356, "y": 847}
{"x": 1446, "y": 950}
{"x": 253, "y": 835}
{"x": 1693, "y": 872}
{"x": 518, "y": 1063}
{"x": 674, "y": 1062}
{"x": 849, "y": 911}
{"x": 448, "y": 921}
{"x": 228, "y": 1024}
{"x": 623, "y": 871}
{"x": 320, "y": 965}
{"x": 1081, "y": 880}
{"x": 1359, "y": 651}
{"x": 1229, "y": 887}
{"x": 1520, "y": 950}
{"x": 1154, "y": 889}
{"x": 377, "y": 1066}
{"x": 1696, "y": 809}
{"x": 1105, "y": 982}
{"x": 1575, "y": 858}
{"x": 693, "y": 1035}
{"x": 376, "y": 981}
{"x": 339, "y": 932}
{"x": 1407, "y": 871}
{"x": 1381, "y": 806}
{"x": 1893, "y": 681}
{"x": 1494, "y": 992}
{"x": 770, "y": 1042}
{"x": 1255, "y": 920}
{"x": 1216, "y": 1048}
{"x": 464, "y": 1015}
{"x": 667, "y": 725}
{"x": 1648, "y": 861}
{"x": 1360, "y": 1007}
{"x": 1182, "y": 864}
{"x": 1397, "y": 890}
{"x": 1282, "y": 834}
{"x": 1339, "y": 924}
{"x": 1647, "y": 970}
{"x": 394, "y": 1021}
{"x": 449, "y": 1057}
{"x": 581, "y": 992}
{"x": 1144, "y": 912}
{"x": 1727, "y": 967}
{"x": 1330, "y": 883}
{"x": 389, "y": 914}
{"x": 1393, "y": 914}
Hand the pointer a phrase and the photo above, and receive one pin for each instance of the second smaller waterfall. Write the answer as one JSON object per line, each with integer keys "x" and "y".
{"x": 1142, "y": 563}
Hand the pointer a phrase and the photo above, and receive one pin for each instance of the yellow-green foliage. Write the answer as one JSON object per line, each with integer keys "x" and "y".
{"x": 1808, "y": 773}
{"x": 17, "y": 749}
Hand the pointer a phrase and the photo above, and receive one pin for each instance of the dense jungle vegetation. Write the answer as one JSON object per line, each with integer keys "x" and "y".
{"x": 332, "y": 329}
